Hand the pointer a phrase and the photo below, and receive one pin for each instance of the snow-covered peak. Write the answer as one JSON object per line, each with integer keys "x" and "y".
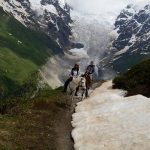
{"x": 36, "y": 4}
{"x": 17, "y": 9}
{"x": 51, "y": 16}
{"x": 130, "y": 9}
{"x": 134, "y": 8}
{"x": 132, "y": 44}
{"x": 46, "y": 5}
{"x": 62, "y": 3}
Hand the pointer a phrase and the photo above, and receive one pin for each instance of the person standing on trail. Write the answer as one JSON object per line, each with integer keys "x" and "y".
{"x": 90, "y": 70}
{"x": 75, "y": 72}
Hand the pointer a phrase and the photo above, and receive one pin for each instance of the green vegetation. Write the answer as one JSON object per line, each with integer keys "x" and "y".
{"x": 48, "y": 93}
{"x": 21, "y": 102}
{"x": 28, "y": 122}
{"x": 128, "y": 61}
{"x": 22, "y": 52}
{"x": 138, "y": 78}
{"x": 35, "y": 124}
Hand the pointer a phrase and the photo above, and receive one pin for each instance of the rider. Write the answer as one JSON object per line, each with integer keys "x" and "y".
{"x": 75, "y": 72}
{"x": 90, "y": 70}
{"x": 89, "y": 76}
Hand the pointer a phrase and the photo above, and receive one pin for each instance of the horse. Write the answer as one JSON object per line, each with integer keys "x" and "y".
{"x": 77, "y": 84}
{"x": 88, "y": 83}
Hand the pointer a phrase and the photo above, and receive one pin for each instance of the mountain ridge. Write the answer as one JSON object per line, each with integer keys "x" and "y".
{"x": 132, "y": 43}
{"x": 52, "y": 17}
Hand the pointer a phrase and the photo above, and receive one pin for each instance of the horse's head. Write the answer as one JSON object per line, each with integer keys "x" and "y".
{"x": 78, "y": 81}
{"x": 82, "y": 83}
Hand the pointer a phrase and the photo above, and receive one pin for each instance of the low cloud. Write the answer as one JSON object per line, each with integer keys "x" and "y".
{"x": 111, "y": 7}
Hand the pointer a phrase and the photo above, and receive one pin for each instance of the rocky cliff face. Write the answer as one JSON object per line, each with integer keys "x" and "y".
{"x": 132, "y": 43}
{"x": 133, "y": 27}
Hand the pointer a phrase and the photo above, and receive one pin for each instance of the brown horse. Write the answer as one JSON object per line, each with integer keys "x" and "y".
{"x": 88, "y": 83}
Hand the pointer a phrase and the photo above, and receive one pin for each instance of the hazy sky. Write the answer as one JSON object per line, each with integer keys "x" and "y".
{"x": 102, "y": 6}
{"x": 97, "y": 6}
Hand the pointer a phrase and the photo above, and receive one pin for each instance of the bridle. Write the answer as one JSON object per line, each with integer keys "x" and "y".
{"x": 82, "y": 83}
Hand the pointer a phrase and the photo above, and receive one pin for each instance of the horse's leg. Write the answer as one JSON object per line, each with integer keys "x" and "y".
{"x": 87, "y": 92}
{"x": 71, "y": 92}
{"x": 76, "y": 92}
{"x": 66, "y": 84}
{"x": 83, "y": 94}
{"x": 72, "y": 95}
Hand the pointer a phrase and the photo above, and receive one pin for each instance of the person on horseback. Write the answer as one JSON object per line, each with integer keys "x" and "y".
{"x": 90, "y": 70}
{"x": 89, "y": 76}
{"x": 75, "y": 72}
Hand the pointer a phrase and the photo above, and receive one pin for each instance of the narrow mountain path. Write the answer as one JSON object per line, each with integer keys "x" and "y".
{"x": 45, "y": 126}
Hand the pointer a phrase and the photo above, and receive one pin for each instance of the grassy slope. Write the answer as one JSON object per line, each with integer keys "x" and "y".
{"x": 128, "y": 61}
{"x": 19, "y": 60}
{"x": 40, "y": 125}
{"x": 136, "y": 80}
{"x": 28, "y": 124}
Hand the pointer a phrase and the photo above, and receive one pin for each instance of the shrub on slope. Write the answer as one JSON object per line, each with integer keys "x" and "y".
{"x": 136, "y": 80}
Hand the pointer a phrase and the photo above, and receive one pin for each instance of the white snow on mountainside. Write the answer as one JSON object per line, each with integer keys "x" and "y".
{"x": 133, "y": 40}
{"x": 10, "y": 9}
{"x": 109, "y": 121}
{"x": 21, "y": 10}
{"x": 36, "y": 5}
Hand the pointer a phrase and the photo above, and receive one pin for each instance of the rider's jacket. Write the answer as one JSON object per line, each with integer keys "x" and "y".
{"x": 74, "y": 72}
{"x": 90, "y": 69}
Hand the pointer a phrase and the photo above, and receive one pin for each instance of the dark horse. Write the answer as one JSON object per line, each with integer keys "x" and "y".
{"x": 88, "y": 83}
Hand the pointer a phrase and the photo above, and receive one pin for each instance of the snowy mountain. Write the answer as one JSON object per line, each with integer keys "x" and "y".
{"x": 133, "y": 29}
{"x": 50, "y": 16}
{"x": 132, "y": 43}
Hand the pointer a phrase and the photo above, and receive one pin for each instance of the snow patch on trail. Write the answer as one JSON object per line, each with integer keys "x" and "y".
{"x": 110, "y": 121}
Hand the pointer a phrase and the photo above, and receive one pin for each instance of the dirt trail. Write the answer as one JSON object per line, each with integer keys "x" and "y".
{"x": 62, "y": 124}
{"x": 60, "y": 129}
{"x": 63, "y": 131}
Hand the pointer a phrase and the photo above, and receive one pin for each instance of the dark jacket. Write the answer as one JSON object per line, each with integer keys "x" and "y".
{"x": 90, "y": 69}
